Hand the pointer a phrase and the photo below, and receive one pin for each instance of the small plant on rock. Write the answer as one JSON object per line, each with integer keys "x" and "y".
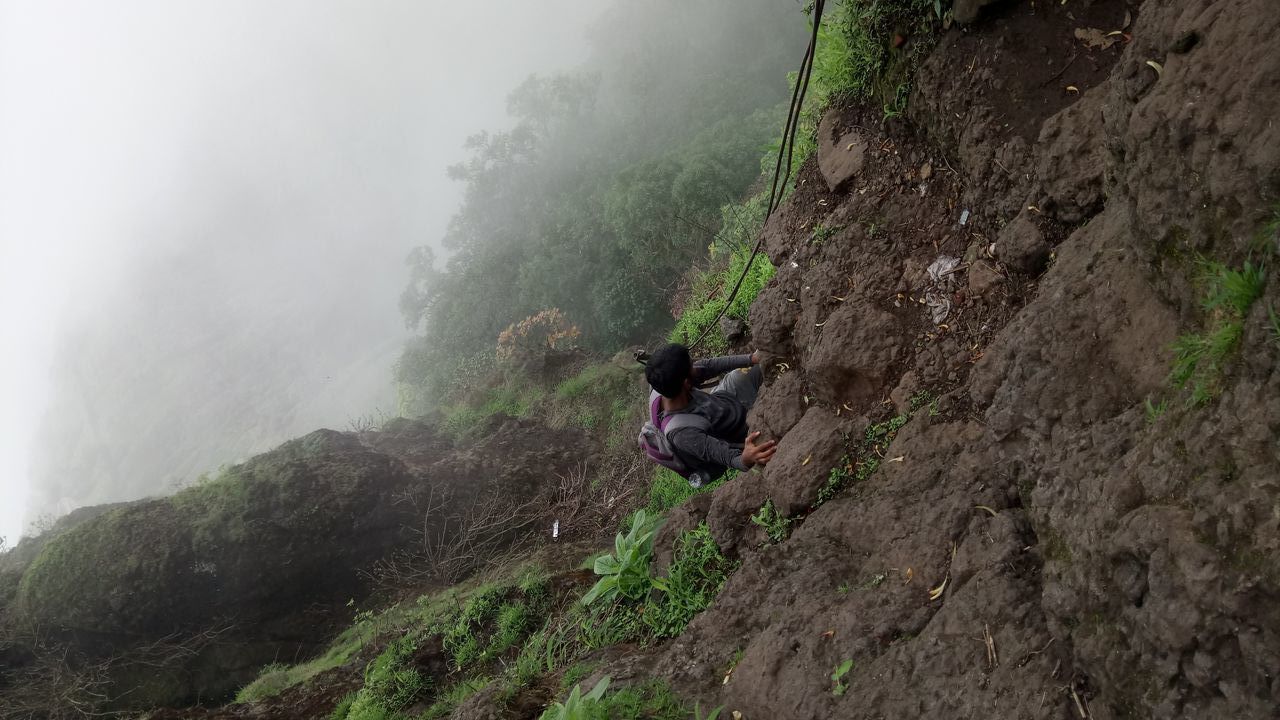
{"x": 775, "y": 524}
{"x": 1155, "y": 410}
{"x": 839, "y": 687}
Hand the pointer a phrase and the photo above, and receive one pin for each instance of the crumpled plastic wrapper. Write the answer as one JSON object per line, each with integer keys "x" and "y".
{"x": 942, "y": 274}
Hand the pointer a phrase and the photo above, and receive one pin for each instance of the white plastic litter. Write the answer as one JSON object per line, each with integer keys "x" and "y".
{"x": 943, "y": 268}
{"x": 939, "y": 306}
{"x": 555, "y": 530}
{"x": 938, "y": 298}
{"x": 964, "y": 218}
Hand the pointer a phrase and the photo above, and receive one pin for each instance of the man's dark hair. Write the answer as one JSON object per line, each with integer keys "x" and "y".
{"x": 668, "y": 368}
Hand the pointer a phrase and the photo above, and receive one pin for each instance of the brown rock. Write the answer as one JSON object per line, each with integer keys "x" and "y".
{"x": 780, "y": 405}
{"x": 729, "y": 516}
{"x": 1069, "y": 160}
{"x": 983, "y": 276}
{"x": 901, "y": 395}
{"x": 805, "y": 458}
{"x": 857, "y": 346}
{"x": 1022, "y": 246}
{"x": 840, "y": 155}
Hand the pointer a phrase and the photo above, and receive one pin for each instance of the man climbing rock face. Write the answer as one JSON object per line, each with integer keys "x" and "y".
{"x": 723, "y": 441}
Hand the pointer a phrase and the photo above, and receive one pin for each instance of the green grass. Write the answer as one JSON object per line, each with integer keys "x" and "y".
{"x": 698, "y": 572}
{"x": 1201, "y": 359}
{"x": 576, "y": 673}
{"x": 602, "y": 398}
{"x": 669, "y": 490}
{"x": 364, "y": 631}
{"x": 389, "y": 684}
{"x": 711, "y": 293}
{"x": 453, "y": 697}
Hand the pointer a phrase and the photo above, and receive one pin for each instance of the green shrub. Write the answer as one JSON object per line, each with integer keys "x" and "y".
{"x": 513, "y": 621}
{"x": 389, "y": 680}
{"x": 602, "y": 625}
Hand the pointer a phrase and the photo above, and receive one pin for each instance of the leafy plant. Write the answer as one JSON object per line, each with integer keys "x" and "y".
{"x": 822, "y": 232}
{"x": 775, "y": 524}
{"x": 837, "y": 677}
{"x": 626, "y": 572}
{"x": 920, "y": 399}
{"x": 836, "y": 481}
{"x": 577, "y": 705}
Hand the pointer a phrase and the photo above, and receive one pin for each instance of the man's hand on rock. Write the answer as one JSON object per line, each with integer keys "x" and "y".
{"x": 754, "y": 453}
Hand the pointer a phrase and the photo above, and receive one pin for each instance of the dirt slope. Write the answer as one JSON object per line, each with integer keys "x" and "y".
{"x": 1087, "y": 560}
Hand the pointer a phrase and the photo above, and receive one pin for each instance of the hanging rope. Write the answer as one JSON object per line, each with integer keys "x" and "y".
{"x": 780, "y": 178}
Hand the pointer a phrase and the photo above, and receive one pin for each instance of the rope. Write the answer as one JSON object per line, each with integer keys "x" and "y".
{"x": 785, "y": 149}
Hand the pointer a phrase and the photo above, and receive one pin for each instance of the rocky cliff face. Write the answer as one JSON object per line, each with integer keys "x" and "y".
{"x": 263, "y": 562}
{"x": 1054, "y": 529}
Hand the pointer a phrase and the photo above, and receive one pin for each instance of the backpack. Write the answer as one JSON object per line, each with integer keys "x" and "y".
{"x": 655, "y": 439}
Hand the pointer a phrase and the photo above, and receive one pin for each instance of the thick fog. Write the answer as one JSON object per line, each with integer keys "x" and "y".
{"x": 205, "y": 209}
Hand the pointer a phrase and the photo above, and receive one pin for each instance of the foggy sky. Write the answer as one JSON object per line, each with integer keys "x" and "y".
{"x": 205, "y": 209}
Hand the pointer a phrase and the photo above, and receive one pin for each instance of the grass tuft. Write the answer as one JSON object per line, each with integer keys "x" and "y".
{"x": 1200, "y": 359}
